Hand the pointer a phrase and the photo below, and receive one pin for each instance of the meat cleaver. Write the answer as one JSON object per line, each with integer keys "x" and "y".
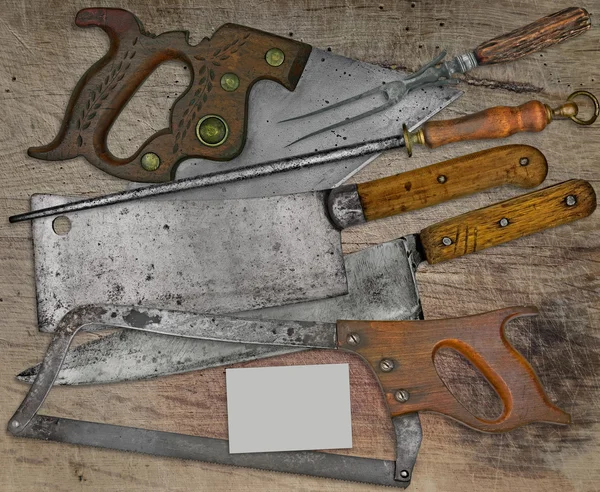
{"x": 381, "y": 281}
{"x": 234, "y": 255}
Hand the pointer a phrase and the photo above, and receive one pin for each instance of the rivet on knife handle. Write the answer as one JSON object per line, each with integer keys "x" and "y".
{"x": 208, "y": 120}
{"x": 519, "y": 165}
{"x": 497, "y": 122}
{"x": 413, "y": 384}
{"x": 508, "y": 220}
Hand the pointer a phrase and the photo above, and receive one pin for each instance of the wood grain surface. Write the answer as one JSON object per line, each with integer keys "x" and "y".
{"x": 517, "y": 165}
{"x": 43, "y": 56}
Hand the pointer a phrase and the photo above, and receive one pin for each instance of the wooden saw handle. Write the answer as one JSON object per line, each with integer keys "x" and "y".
{"x": 413, "y": 384}
{"x": 508, "y": 220}
{"x": 519, "y": 165}
{"x": 213, "y": 109}
{"x": 534, "y": 37}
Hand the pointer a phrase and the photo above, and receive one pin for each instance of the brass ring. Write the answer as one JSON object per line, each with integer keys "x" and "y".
{"x": 594, "y": 100}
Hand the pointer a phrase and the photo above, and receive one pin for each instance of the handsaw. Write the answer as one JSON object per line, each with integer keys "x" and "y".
{"x": 219, "y": 112}
{"x": 400, "y": 353}
{"x": 382, "y": 283}
{"x": 236, "y": 255}
{"x": 497, "y": 122}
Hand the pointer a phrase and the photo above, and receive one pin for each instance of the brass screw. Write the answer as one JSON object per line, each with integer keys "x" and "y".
{"x": 386, "y": 365}
{"x": 274, "y": 57}
{"x": 353, "y": 339}
{"x": 446, "y": 241}
{"x": 401, "y": 396}
{"x": 150, "y": 161}
{"x": 571, "y": 200}
{"x": 524, "y": 161}
{"x": 212, "y": 130}
{"x": 230, "y": 82}
{"x": 503, "y": 222}
{"x": 441, "y": 179}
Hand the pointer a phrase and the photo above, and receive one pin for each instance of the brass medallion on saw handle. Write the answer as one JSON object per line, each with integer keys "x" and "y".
{"x": 223, "y": 70}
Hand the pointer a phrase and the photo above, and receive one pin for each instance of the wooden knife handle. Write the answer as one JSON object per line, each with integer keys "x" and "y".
{"x": 518, "y": 165}
{"x": 508, "y": 220}
{"x": 222, "y": 68}
{"x": 411, "y": 383}
{"x": 533, "y": 37}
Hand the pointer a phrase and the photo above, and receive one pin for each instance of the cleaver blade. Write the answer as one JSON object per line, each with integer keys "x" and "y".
{"x": 382, "y": 283}
{"x": 381, "y": 286}
{"x": 223, "y": 256}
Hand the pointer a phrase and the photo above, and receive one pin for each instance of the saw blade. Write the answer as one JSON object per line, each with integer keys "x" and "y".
{"x": 211, "y": 450}
{"x": 327, "y": 79}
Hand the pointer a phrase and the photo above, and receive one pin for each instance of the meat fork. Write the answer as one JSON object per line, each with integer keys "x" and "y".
{"x": 531, "y": 38}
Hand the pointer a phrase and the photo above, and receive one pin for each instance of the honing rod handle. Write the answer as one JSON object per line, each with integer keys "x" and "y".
{"x": 411, "y": 383}
{"x": 497, "y": 122}
{"x": 208, "y": 120}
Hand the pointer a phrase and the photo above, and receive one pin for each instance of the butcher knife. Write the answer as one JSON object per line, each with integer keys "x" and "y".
{"x": 244, "y": 82}
{"x": 235, "y": 255}
{"x": 381, "y": 281}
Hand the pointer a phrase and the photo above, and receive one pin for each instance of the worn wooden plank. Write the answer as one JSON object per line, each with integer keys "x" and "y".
{"x": 44, "y": 55}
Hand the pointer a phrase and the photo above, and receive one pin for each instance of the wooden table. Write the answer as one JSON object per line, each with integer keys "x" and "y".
{"x": 42, "y": 57}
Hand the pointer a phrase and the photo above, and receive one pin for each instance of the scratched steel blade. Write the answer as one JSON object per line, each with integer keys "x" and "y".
{"x": 327, "y": 79}
{"x": 381, "y": 285}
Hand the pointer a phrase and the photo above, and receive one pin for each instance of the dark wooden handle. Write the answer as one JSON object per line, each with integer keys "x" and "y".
{"x": 223, "y": 70}
{"x": 519, "y": 165}
{"x": 413, "y": 384}
{"x": 492, "y": 123}
{"x": 533, "y": 37}
{"x": 508, "y": 220}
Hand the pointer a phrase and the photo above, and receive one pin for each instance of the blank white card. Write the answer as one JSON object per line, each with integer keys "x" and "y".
{"x": 289, "y": 408}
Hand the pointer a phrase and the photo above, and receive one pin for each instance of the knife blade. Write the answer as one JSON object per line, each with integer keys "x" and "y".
{"x": 235, "y": 255}
{"x": 385, "y": 275}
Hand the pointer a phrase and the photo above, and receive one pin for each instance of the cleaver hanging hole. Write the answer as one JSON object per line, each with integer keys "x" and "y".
{"x": 61, "y": 225}
{"x": 467, "y": 384}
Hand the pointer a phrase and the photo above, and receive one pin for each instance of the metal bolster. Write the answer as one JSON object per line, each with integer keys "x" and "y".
{"x": 461, "y": 63}
{"x": 345, "y": 209}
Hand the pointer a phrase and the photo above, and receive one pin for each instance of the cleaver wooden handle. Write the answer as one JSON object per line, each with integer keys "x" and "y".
{"x": 533, "y": 37}
{"x": 508, "y": 220}
{"x": 208, "y": 120}
{"x": 411, "y": 383}
{"x": 518, "y": 165}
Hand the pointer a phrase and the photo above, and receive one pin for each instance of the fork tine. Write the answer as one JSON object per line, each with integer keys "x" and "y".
{"x": 384, "y": 106}
{"x": 358, "y": 97}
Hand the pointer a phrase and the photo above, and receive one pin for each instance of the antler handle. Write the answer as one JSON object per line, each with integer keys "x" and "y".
{"x": 536, "y": 36}
{"x": 411, "y": 383}
{"x": 208, "y": 120}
